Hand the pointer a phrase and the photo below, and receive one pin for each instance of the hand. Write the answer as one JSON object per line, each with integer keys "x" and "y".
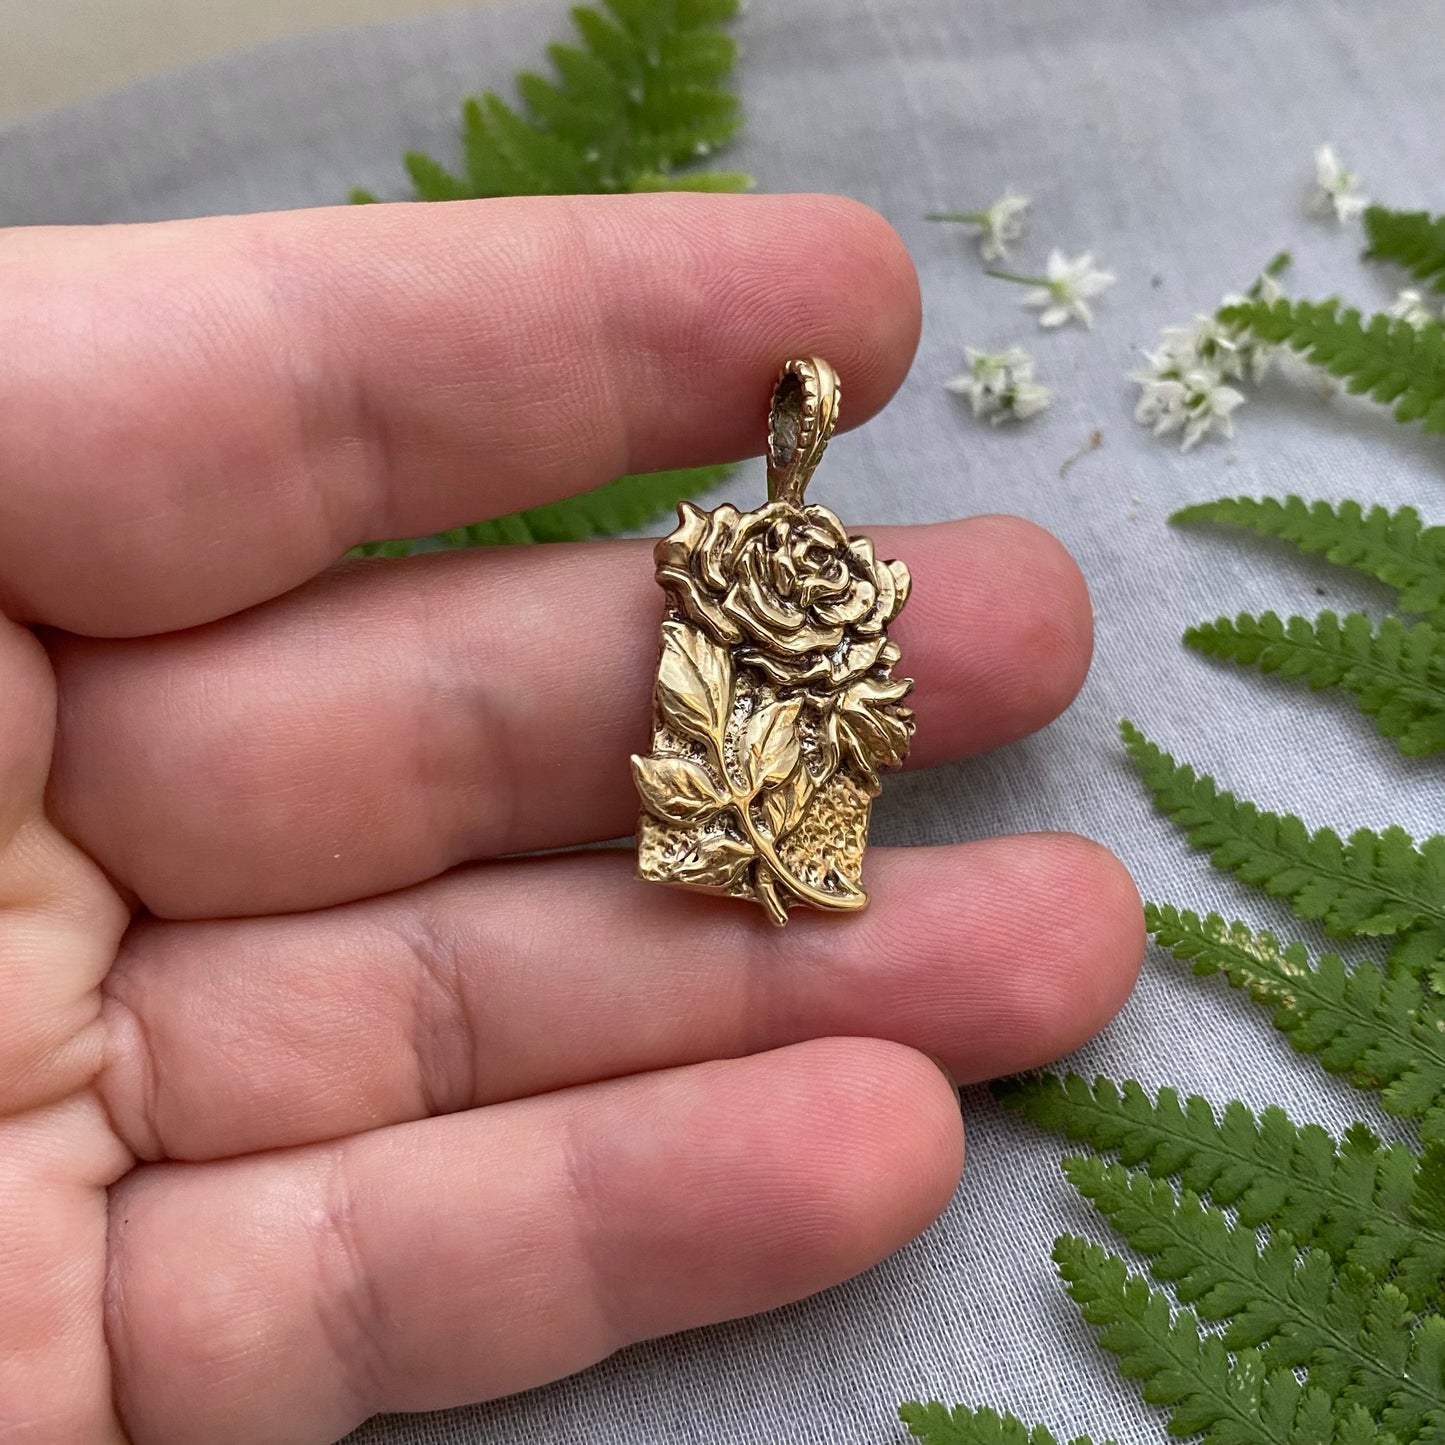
{"x": 300, "y": 1120}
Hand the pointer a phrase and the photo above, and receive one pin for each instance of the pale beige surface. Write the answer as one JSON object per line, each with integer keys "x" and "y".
{"x": 61, "y": 50}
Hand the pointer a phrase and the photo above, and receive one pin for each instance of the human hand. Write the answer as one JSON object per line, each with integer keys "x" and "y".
{"x": 296, "y": 1125}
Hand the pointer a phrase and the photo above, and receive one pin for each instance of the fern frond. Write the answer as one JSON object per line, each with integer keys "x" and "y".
{"x": 939, "y": 1425}
{"x": 1179, "y": 1366}
{"x": 1364, "y": 1203}
{"x": 1385, "y": 1033}
{"x": 623, "y": 505}
{"x": 1355, "y": 1335}
{"x": 642, "y": 95}
{"x": 1396, "y": 673}
{"x": 1386, "y": 359}
{"x": 1393, "y": 547}
{"x": 1412, "y": 239}
{"x": 1374, "y": 884}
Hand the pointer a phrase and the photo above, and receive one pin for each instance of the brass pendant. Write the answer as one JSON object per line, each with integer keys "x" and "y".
{"x": 775, "y": 706}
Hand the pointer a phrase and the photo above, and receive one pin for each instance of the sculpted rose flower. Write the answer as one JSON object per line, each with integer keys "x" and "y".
{"x": 806, "y": 603}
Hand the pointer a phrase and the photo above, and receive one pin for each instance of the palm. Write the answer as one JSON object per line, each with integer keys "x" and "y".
{"x": 297, "y": 1125}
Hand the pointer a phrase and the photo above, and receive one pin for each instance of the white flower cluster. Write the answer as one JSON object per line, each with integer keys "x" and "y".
{"x": 1337, "y": 191}
{"x": 1185, "y": 387}
{"x": 1410, "y": 306}
{"x": 1000, "y": 385}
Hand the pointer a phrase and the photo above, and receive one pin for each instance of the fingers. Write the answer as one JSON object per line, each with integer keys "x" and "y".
{"x": 284, "y": 1298}
{"x": 59, "y": 929}
{"x": 392, "y": 720}
{"x": 514, "y": 979}
{"x": 259, "y": 393}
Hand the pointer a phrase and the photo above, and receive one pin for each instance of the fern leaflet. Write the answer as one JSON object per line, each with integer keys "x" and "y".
{"x": 1413, "y": 239}
{"x": 1374, "y": 884}
{"x": 1396, "y": 673}
{"x": 642, "y": 95}
{"x": 1386, "y": 358}
{"x": 1375, "y": 1206}
{"x": 1348, "y": 1329}
{"x": 1386, "y": 1033}
{"x": 938, "y": 1425}
{"x": 1179, "y": 1366}
{"x": 1391, "y": 546}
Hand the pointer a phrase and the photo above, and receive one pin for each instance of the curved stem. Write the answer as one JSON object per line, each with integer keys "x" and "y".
{"x": 1021, "y": 280}
{"x": 742, "y": 806}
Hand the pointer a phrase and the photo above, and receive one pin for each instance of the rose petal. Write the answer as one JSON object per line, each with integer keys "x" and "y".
{"x": 884, "y": 606}
{"x": 764, "y": 606}
{"x": 861, "y": 550}
{"x": 712, "y": 562}
{"x": 679, "y": 546}
{"x": 787, "y": 672}
{"x": 699, "y": 606}
{"x": 857, "y": 659}
{"x": 833, "y": 533}
{"x": 851, "y": 607}
{"x": 902, "y": 583}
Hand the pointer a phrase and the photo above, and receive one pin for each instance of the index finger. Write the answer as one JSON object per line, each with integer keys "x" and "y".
{"x": 206, "y": 413}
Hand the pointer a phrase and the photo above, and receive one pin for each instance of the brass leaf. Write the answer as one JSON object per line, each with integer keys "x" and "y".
{"x": 784, "y": 806}
{"x": 694, "y": 682}
{"x": 677, "y": 789}
{"x": 714, "y": 861}
{"x": 770, "y": 750}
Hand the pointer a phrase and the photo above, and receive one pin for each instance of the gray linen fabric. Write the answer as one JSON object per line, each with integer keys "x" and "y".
{"x": 1175, "y": 140}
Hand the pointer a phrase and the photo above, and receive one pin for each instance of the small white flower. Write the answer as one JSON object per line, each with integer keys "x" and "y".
{"x": 1409, "y": 306}
{"x": 1208, "y": 344}
{"x": 1000, "y": 385}
{"x": 1064, "y": 291}
{"x": 1194, "y": 403}
{"x": 999, "y": 225}
{"x": 1337, "y": 191}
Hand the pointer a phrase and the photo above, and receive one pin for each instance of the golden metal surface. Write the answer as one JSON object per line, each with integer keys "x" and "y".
{"x": 775, "y": 706}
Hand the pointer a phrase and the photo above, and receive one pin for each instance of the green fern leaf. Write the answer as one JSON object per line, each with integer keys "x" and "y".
{"x": 432, "y": 180}
{"x": 1413, "y": 239}
{"x": 1396, "y": 673}
{"x": 1355, "y": 1335}
{"x": 1393, "y": 547}
{"x": 642, "y": 95}
{"x": 713, "y": 182}
{"x": 1385, "y": 1033}
{"x": 1364, "y": 1203}
{"x": 624, "y": 505}
{"x": 1179, "y": 1366}
{"x": 1386, "y": 359}
{"x": 939, "y": 1425}
{"x": 1374, "y": 884}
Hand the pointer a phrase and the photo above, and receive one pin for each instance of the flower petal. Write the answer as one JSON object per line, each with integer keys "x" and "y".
{"x": 854, "y": 605}
{"x": 854, "y": 660}
{"x": 902, "y": 583}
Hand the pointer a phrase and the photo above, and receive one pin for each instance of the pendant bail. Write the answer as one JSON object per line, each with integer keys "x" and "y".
{"x": 802, "y": 416}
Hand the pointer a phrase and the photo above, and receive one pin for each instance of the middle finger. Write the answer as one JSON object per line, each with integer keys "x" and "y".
{"x": 390, "y": 720}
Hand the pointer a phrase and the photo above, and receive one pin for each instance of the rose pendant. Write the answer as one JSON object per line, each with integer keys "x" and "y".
{"x": 775, "y": 707}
